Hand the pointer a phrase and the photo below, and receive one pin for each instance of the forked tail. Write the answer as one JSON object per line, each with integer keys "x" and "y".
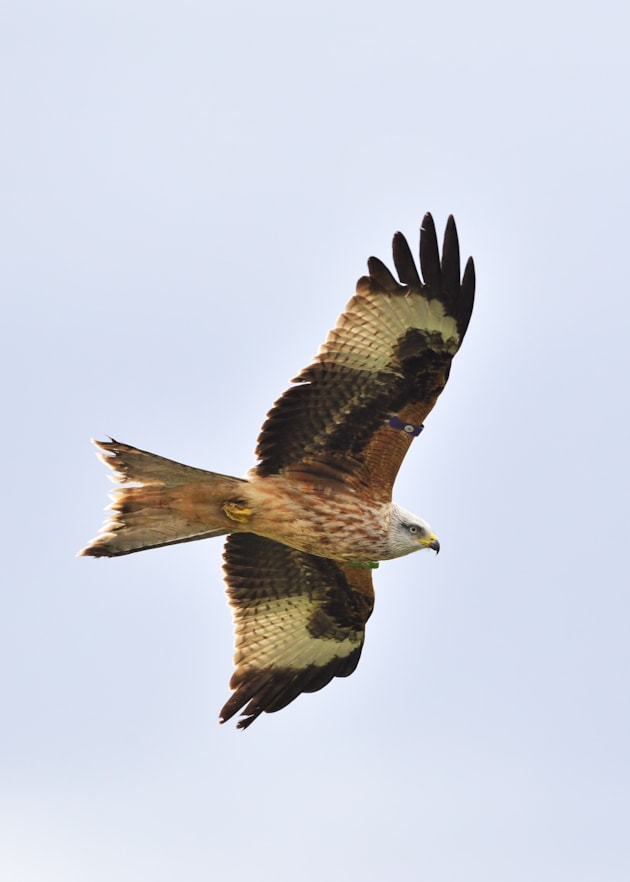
{"x": 160, "y": 502}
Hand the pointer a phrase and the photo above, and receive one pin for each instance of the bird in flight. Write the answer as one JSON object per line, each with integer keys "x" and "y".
{"x": 315, "y": 515}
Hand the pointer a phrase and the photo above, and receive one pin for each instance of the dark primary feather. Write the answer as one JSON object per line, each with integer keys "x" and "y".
{"x": 430, "y": 258}
{"x": 382, "y": 277}
{"x": 404, "y": 262}
{"x": 466, "y": 296}
{"x": 450, "y": 281}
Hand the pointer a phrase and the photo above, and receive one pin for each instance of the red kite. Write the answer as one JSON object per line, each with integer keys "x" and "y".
{"x": 315, "y": 515}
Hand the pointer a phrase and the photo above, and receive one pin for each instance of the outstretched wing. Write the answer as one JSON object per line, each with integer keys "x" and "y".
{"x": 357, "y": 407}
{"x": 299, "y": 621}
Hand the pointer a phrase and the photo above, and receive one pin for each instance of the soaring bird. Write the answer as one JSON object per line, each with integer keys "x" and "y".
{"x": 315, "y": 515}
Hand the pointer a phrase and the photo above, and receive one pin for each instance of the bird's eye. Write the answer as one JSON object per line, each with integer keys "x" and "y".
{"x": 413, "y": 529}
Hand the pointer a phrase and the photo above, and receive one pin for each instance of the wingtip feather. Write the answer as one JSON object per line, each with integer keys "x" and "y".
{"x": 404, "y": 262}
{"x": 430, "y": 255}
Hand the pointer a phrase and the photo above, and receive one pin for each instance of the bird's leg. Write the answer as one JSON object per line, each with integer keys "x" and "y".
{"x": 238, "y": 510}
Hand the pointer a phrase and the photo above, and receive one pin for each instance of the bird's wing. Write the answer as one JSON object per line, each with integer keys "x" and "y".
{"x": 357, "y": 407}
{"x": 299, "y": 621}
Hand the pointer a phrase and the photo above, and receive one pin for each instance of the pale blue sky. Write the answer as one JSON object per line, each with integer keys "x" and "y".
{"x": 188, "y": 197}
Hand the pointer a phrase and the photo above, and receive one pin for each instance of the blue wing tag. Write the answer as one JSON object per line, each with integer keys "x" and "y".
{"x": 407, "y": 428}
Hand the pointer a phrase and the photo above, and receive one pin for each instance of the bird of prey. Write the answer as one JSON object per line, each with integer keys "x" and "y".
{"x": 315, "y": 515}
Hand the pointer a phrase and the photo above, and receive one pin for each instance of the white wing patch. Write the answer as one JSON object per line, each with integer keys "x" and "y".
{"x": 366, "y": 332}
{"x": 273, "y": 634}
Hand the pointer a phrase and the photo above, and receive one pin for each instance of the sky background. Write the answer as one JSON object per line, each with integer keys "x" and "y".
{"x": 189, "y": 192}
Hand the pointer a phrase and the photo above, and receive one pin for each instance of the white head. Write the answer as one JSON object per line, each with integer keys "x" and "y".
{"x": 408, "y": 532}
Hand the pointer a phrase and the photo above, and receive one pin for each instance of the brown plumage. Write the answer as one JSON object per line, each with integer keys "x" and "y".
{"x": 315, "y": 514}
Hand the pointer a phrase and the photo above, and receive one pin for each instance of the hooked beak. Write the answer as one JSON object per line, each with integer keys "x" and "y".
{"x": 430, "y": 541}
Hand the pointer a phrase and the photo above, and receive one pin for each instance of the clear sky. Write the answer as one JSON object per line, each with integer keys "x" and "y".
{"x": 189, "y": 193}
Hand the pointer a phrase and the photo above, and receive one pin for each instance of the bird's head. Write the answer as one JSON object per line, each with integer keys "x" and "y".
{"x": 409, "y": 533}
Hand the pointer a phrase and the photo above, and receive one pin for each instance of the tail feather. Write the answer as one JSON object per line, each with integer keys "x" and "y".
{"x": 160, "y": 502}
